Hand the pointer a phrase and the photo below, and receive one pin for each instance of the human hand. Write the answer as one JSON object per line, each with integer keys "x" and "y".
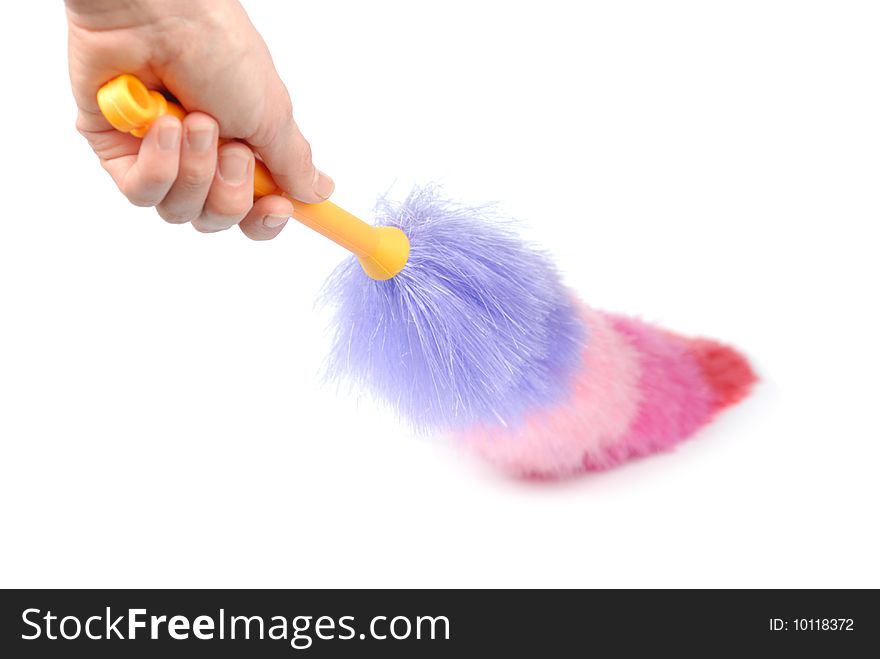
{"x": 209, "y": 55}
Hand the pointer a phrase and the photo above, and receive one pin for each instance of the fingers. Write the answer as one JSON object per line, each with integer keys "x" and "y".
{"x": 288, "y": 155}
{"x": 198, "y": 163}
{"x": 267, "y": 218}
{"x": 150, "y": 177}
{"x": 188, "y": 179}
{"x": 178, "y": 168}
{"x": 232, "y": 191}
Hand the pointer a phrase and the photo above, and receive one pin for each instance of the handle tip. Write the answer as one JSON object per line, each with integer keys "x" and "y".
{"x": 389, "y": 257}
{"x": 130, "y": 107}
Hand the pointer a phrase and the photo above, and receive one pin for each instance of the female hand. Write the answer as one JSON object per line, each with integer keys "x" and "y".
{"x": 211, "y": 58}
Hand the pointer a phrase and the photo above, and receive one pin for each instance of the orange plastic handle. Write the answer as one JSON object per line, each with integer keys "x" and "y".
{"x": 382, "y": 251}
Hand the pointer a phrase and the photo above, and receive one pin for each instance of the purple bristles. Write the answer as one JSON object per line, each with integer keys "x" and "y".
{"x": 477, "y": 328}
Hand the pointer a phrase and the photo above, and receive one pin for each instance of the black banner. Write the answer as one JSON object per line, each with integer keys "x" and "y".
{"x": 429, "y": 623}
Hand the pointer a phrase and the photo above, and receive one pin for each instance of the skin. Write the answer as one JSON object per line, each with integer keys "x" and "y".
{"x": 208, "y": 55}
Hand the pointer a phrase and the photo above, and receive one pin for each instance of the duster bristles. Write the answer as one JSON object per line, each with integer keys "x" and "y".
{"x": 476, "y": 328}
{"x": 477, "y": 335}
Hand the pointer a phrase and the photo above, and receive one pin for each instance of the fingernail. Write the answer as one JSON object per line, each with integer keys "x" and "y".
{"x": 201, "y": 138}
{"x": 168, "y": 136}
{"x": 324, "y": 185}
{"x": 233, "y": 166}
{"x": 275, "y": 221}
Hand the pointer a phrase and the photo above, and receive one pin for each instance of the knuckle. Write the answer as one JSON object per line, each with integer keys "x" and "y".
{"x": 81, "y": 127}
{"x": 157, "y": 177}
{"x": 141, "y": 202}
{"x": 195, "y": 178}
{"x": 204, "y": 226}
{"x": 173, "y": 216}
{"x": 286, "y": 105}
{"x": 139, "y": 197}
{"x": 278, "y": 99}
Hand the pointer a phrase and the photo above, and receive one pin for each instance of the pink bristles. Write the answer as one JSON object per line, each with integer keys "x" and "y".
{"x": 553, "y": 441}
{"x": 639, "y": 390}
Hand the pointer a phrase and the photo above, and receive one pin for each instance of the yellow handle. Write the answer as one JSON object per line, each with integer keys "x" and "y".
{"x": 382, "y": 251}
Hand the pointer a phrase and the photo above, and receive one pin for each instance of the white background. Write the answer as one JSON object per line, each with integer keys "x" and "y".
{"x": 713, "y": 167}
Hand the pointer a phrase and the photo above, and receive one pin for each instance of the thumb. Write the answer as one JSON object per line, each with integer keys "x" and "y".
{"x": 288, "y": 156}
